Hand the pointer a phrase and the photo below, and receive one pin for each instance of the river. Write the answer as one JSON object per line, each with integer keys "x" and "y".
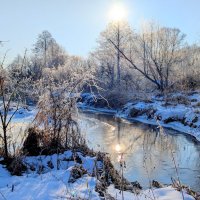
{"x": 148, "y": 152}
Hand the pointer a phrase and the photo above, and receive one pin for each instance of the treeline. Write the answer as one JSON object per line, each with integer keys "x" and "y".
{"x": 155, "y": 58}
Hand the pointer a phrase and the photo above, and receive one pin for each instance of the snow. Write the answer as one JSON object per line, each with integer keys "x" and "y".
{"x": 178, "y": 113}
{"x": 51, "y": 183}
{"x": 186, "y": 118}
{"x": 167, "y": 193}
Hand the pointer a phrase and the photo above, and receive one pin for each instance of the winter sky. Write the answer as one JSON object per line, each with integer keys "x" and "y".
{"x": 76, "y": 24}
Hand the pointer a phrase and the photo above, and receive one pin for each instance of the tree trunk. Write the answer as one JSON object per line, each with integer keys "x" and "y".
{"x": 118, "y": 56}
{"x": 5, "y": 142}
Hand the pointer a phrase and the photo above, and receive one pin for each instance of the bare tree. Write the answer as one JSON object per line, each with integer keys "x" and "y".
{"x": 188, "y": 71}
{"x": 44, "y": 41}
{"x": 9, "y": 92}
{"x": 158, "y": 51}
{"x": 108, "y": 57}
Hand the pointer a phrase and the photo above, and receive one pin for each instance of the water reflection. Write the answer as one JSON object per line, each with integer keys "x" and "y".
{"x": 15, "y": 135}
{"x": 147, "y": 151}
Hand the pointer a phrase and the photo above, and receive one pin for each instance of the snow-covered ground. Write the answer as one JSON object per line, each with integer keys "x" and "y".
{"x": 167, "y": 193}
{"x": 183, "y": 116}
{"x": 49, "y": 178}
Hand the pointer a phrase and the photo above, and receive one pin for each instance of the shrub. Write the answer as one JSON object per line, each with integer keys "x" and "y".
{"x": 31, "y": 143}
{"x": 178, "y": 99}
{"x": 14, "y": 165}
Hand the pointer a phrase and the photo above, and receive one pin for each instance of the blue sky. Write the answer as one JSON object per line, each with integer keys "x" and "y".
{"x": 76, "y": 24}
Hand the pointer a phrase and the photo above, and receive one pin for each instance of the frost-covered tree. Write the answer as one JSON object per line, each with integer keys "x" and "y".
{"x": 29, "y": 73}
{"x": 10, "y": 93}
{"x": 157, "y": 50}
{"x": 60, "y": 87}
{"x": 106, "y": 57}
{"x": 48, "y": 51}
{"x": 188, "y": 71}
{"x": 44, "y": 41}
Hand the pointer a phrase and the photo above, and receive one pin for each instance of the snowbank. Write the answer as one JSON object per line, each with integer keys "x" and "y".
{"x": 181, "y": 113}
{"x": 49, "y": 177}
{"x": 167, "y": 193}
{"x": 178, "y": 117}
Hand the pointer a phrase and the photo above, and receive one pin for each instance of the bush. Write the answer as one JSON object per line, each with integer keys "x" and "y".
{"x": 31, "y": 143}
{"x": 14, "y": 165}
{"x": 188, "y": 83}
{"x": 76, "y": 173}
{"x": 178, "y": 99}
{"x": 17, "y": 166}
{"x": 114, "y": 99}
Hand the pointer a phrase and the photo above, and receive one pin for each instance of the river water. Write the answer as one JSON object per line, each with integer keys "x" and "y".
{"x": 149, "y": 153}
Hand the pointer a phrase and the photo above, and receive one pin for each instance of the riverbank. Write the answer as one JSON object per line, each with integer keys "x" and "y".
{"x": 63, "y": 177}
{"x": 179, "y": 112}
{"x": 49, "y": 177}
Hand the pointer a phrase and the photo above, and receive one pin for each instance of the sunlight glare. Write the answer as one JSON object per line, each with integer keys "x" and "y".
{"x": 118, "y": 148}
{"x": 118, "y": 12}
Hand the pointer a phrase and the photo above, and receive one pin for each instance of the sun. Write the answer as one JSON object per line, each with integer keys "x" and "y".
{"x": 118, "y": 12}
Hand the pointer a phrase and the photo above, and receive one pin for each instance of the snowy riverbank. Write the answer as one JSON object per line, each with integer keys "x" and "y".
{"x": 50, "y": 177}
{"x": 181, "y": 113}
{"x": 54, "y": 177}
